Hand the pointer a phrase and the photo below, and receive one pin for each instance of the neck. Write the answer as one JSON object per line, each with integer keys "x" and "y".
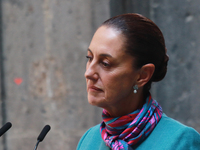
{"x": 124, "y": 107}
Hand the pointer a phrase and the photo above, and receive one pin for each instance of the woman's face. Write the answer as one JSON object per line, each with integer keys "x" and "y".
{"x": 109, "y": 74}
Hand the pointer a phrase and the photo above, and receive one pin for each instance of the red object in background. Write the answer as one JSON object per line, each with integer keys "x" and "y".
{"x": 18, "y": 81}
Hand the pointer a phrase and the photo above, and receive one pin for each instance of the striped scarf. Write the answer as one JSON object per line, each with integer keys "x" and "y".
{"x": 130, "y": 129}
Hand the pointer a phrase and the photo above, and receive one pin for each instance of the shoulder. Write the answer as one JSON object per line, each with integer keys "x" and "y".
{"x": 181, "y": 135}
{"x": 173, "y": 128}
{"x": 171, "y": 134}
{"x": 92, "y": 130}
{"x": 168, "y": 125}
{"x": 92, "y": 140}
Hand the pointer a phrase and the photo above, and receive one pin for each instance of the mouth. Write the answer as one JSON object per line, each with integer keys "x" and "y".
{"x": 94, "y": 88}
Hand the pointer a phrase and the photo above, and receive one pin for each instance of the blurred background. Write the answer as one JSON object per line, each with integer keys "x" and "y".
{"x": 43, "y": 44}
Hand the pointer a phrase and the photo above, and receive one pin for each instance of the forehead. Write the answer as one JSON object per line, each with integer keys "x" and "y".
{"x": 107, "y": 40}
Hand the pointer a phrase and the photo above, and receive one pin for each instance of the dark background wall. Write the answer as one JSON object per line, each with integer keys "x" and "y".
{"x": 179, "y": 92}
{"x": 43, "y": 45}
{"x": 179, "y": 20}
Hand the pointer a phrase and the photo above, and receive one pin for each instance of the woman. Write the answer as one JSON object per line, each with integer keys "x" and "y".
{"x": 127, "y": 53}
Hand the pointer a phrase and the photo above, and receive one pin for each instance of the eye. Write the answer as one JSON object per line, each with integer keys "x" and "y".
{"x": 105, "y": 64}
{"x": 89, "y": 57}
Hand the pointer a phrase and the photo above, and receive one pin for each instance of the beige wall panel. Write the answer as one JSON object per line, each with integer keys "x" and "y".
{"x": 45, "y": 44}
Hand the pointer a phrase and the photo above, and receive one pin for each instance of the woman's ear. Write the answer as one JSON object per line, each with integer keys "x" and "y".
{"x": 145, "y": 74}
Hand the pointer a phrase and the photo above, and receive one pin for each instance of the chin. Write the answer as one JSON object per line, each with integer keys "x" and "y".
{"x": 92, "y": 102}
{"x": 95, "y": 101}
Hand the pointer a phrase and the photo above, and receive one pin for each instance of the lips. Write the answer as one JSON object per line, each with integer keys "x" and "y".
{"x": 94, "y": 88}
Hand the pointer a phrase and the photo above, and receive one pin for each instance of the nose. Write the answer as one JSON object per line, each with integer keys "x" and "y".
{"x": 91, "y": 71}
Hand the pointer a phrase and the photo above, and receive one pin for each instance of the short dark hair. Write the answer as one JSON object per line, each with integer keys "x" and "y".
{"x": 144, "y": 41}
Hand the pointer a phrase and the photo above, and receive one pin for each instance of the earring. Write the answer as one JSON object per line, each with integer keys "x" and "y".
{"x": 135, "y": 87}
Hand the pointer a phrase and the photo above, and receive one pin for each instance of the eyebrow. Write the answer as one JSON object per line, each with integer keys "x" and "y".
{"x": 105, "y": 55}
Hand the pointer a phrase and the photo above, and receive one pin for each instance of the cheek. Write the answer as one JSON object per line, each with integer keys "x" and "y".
{"x": 114, "y": 84}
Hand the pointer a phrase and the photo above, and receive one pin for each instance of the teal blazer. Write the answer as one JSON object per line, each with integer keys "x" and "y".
{"x": 168, "y": 134}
